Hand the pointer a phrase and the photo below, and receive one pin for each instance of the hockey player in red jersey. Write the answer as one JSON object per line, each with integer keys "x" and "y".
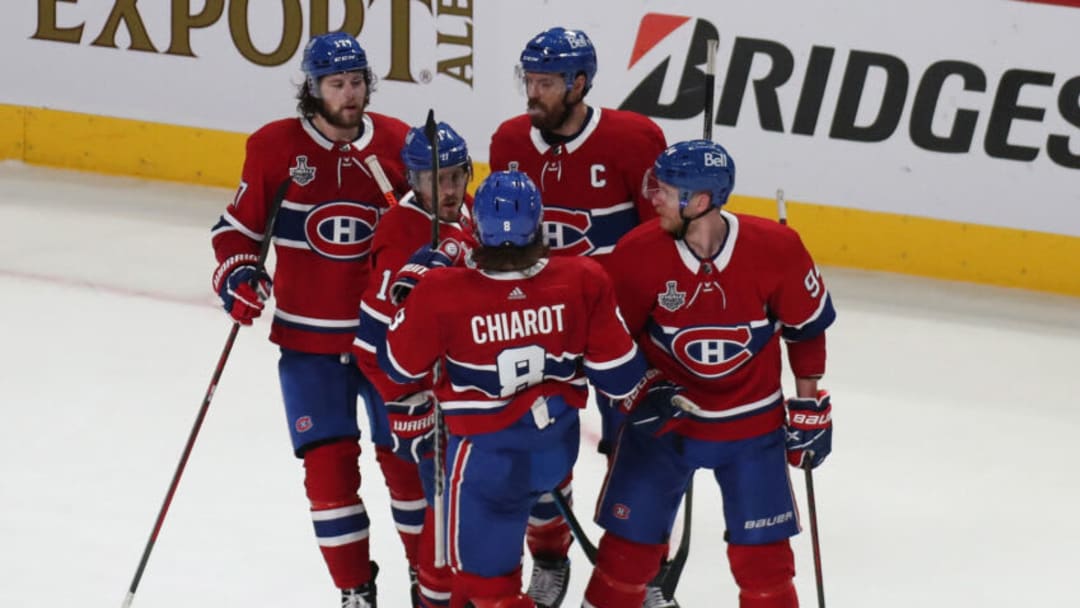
{"x": 708, "y": 295}
{"x": 517, "y": 336}
{"x": 322, "y": 233}
{"x": 401, "y": 232}
{"x": 588, "y": 163}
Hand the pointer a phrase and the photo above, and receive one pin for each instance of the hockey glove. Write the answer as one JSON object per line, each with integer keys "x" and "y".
{"x": 422, "y": 260}
{"x": 243, "y": 287}
{"x": 655, "y": 405}
{"x": 809, "y": 429}
{"x": 412, "y": 425}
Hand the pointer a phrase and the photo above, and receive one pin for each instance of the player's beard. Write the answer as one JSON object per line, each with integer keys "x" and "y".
{"x": 338, "y": 120}
{"x": 552, "y": 118}
{"x": 448, "y": 213}
{"x": 445, "y": 211}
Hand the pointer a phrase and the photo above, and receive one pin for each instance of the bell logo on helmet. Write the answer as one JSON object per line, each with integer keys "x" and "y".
{"x": 560, "y": 51}
{"x": 579, "y": 41}
{"x": 715, "y": 160}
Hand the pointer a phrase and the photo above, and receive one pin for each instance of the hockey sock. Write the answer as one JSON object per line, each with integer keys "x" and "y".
{"x": 407, "y": 503}
{"x": 332, "y": 479}
{"x": 623, "y": 568}
{"x": 548, "y": 535}
{"x": 490, "y": 592}
{"x": 435, "y": 583}
{"x": 764, "y": 574}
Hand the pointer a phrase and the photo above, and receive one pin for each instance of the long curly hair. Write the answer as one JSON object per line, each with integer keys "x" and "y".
{"x": 308, "y": 105}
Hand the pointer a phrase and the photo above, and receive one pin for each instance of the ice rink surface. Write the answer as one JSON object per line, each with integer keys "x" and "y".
{"x": 952, "y": 480}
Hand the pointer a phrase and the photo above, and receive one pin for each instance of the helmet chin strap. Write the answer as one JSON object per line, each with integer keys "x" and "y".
{"x": 686, "y": 220}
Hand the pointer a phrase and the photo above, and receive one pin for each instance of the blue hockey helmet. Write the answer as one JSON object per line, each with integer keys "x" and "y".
{"x": 507, "y": 210}
{"x": 331, "y": 53}
{"x": 561, "y": 51}
{"x": 416, "y": 154}
{"x": 698, "y": 165}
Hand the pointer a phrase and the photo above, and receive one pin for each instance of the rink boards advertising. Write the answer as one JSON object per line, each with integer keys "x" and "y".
{"x": 932, "y": 138}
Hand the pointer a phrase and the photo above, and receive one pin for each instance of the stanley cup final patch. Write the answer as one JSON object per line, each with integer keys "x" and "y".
{"x": 672, "y": 299}
{"x": 302, "y": 174}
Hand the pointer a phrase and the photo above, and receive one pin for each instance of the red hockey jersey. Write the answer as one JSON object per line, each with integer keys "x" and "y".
{"x": 505, "y": 339}
{"x": 402, "y": 231}
{"x": 324, "y": 229}
{"x": 590, "y": 185}
{"x": 714, "y": 325}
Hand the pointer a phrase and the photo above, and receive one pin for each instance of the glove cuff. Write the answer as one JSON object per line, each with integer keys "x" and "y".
{"x": 637, "y": 394}
{"x": 420, "y": 399}
{"x": 229, "y": 265}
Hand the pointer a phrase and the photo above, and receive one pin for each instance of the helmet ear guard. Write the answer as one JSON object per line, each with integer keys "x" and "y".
{"x": 507, "y": 210}
{"x": 560, "y": 51}
{"x": 698, "y": 165}
{"x": 332, "y": 53}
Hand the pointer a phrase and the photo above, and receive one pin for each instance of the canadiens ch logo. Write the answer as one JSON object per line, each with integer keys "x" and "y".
{"x": 302, "y": 174}
{"x": 304, "y": 424}
{"x": 712, "y": 351}
{"x": 341, "y": 230}
{"x": 567, "y": 230}
{"x": 672, "y": 299}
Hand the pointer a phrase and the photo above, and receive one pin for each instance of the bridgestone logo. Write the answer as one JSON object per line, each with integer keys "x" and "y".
{"x": 908, "y": 100}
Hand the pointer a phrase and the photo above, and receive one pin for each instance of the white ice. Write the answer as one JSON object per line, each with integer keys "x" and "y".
{"x": 951, "y": 483}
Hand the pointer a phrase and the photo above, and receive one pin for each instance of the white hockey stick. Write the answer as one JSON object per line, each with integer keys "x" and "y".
{"x": 377, "y": 172}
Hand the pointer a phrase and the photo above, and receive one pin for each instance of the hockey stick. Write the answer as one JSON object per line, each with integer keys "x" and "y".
{"x": 575, "y": 526}
{"x": 808, "y": 472}
{"x": 671, "y": 570}
{"x": 380, "y": 178}
{"x": 711, "y": 48}
{"x": 264, "y": 250}
{"x": 812, "y": 506}
{"x": 431, "y": 130}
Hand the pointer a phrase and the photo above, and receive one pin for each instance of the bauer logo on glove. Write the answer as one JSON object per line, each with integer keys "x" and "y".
{"x": 809, "y": 429}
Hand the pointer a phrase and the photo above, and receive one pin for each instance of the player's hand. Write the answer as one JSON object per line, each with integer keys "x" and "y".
{"x": 656, "y": 405}
{"x": 243, "y": 287}
{"x": 448, "y": 253}
{"x": 809, "y": 429}
{"x": 412, "y": 425}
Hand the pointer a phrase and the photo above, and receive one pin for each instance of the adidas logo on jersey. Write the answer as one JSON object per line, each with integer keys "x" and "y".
{"x": 516, "y": 294}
